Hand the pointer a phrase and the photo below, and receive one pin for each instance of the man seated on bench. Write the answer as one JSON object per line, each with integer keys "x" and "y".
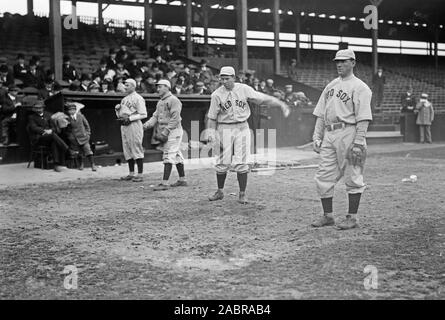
{"x": 42, "y": 133}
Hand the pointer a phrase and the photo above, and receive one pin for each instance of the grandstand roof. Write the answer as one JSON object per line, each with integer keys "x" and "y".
{"x": 425, "y": 11}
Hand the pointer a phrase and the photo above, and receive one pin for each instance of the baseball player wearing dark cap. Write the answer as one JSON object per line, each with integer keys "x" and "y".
{"x": 169, "y": 132}
{"x": 228, "y": 127}
{"x": 343, "y": 114}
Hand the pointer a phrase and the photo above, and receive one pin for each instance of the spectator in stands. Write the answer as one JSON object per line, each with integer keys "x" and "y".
{"x": 201, "y": 89}
{"x": 69, "y": 73}
{"x": 121, "y": 71}
{"x": 205, "y": 72}
{"x": 120, "y": 86}
{"x": 94, "y": 87}
{"x": 34, "y": 77}
{"x": 270, "y": 89}
{"x": 256, "y": 84}
{"x": 150, "y": 85}
{"x": 20, "y": 70}
{"x": 122, "y": 54}
{"x": 140, "y": 84}
{"x": 250, "y": 77}
{"x": 178, "y": 89}
{"x": 49, "y": 75}
{"x": 290, "y": 96}
{"x": 111, "y": 61}
{"x": 303, "y": 101}
{"x": 85, "y": 82}
{"x": 47, "y": 91}
{"x": 408, "y": 101}
{"x": 172, "y": 76}
{"x": 292, "y": 70}
{"x": 102, "y": 70}
{"x": 425, "y": 117}
{"x": 134, "y": 67}
{"x": 6, "y": 76}
{"x": 263, "y": 86}
{"x": 107, "y": 87}
{"x": 37, "y": 60}
{"x": 161, "y": 64}
{"x": 378, "y": 87}
{"x": 8, "y": 113}
{"x": 42, "y": 132}
{"x": 214, "y": 84}
{"x": 78, "y": 134}
{"x": 169, "y": 53}
{"x": 156, "y": 50}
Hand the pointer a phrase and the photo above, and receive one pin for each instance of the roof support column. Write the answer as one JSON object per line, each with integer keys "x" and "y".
{"x": 375, "y": 37}
{"x": 30, "y": 7}
{"x": 297, "y": 36}
{"x": 55, "y": 36}
{"x": 188, "y": 29}
{"x": 436, "y": 41}
{"x": 100, "y": 15}
{"x": 148, "y": 16}
{"x": 242, "y": 34}
{"x": 276, "y": 31}
{"x": 205, "y": 22}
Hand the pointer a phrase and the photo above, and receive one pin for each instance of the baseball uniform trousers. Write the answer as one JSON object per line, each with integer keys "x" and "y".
{"x": 236, "y": 136}
{"x": 172, "y": 149}
{"x": 334, "y": 165}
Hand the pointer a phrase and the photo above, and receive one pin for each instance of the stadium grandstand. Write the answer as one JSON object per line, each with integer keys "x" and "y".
{"x": 187, "y": 41}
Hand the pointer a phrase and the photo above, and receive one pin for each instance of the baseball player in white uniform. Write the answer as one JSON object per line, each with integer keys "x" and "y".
{"x": 343, "y": 114}
{"x": 169, "y": 132}
{"x": 228, "y": 127}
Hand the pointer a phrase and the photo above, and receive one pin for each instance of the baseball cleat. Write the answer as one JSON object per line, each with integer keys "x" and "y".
{"x": 161, "y": 187}
{"x": 242, "y": 198}
{"x": 347, "y": 223}
{"x": 127, "y": 178}
{"x": 179, "y": 183}
{"x": 138, "y": 179}
{"x": 323, "y": 221}
{"x": 219, "y": 195}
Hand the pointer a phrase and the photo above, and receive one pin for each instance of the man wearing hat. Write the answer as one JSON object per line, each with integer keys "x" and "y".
{"x": 228, "y": 127}
{"x": 343, "y": 114}
{"x": 19, "y": 68}
{"x": 42, "y": 132}
{"x": 34, "y": 77}
{"x": 289, "y": 95}
{"x": 6, "y": 77}
{"x": 130, "y": 112}
{"x": 8, "y": 112}
{"x": 169, "y": 132}
{"x": 292, "y": 70}
{"x": 425, "y": 117}
{"x": 69, "y": 73}
{"x": 111, "y": 61}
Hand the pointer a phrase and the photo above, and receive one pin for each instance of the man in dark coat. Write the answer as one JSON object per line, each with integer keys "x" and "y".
{"x": 8, "y": 112}
{"x": 69, "y": 73}
{"x": 41, "y": 132}
{"x": 20, "y": 68}
{"x": 34, "y": 77}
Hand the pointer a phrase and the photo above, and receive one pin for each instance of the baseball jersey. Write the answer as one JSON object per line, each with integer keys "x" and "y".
{"x": 133, "y": 105}
{"x": 231, "y": 106}
{"x": 345, "y": 100}
{"x": 167, "y": 115}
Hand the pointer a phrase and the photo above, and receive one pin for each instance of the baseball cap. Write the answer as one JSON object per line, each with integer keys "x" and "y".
{"x": 424, "y": 95}
{"x": 227, "y": 71}
{"x": 344, "y": 54}
{"x": 165, "y": 82}
{"x": 132, "y": 81}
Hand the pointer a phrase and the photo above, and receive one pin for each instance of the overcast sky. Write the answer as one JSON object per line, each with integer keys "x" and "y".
{"x": 83, "y": 9}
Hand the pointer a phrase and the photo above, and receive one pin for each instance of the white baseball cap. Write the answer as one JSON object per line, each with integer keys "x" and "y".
{"x": 132, "y": 81}
{"x": 165, "y": 82}
{"x": 344, "y": 54}
{"x": 227, "y": 71}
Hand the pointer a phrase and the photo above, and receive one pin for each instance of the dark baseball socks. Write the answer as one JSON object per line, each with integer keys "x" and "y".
{"x": 221, "y": 179}
{"x": 354, "y": 202}
{"x": 140, "y": 164}
{"x": 168, "y": 170}
{"x": 242, "y": 181}
{"x": 131, "y": 166}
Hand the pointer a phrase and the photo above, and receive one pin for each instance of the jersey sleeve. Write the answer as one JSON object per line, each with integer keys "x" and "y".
{"x": 255, "y": 96}
{"x": 320, "y": 108}
{"x": 362, "y": 104}
{"x": 141, "y": 109}
{"x": 214, "y": 108}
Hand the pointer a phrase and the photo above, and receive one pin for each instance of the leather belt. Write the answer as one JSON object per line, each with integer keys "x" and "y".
{"x": 338, "y": 125}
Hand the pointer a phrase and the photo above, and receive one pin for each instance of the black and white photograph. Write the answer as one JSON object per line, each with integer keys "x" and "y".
{"x": 223, "y": 155}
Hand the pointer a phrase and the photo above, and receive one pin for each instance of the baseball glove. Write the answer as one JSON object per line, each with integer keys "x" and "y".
{"x": 161, "y": 137}
{"x": 357, "y": 155}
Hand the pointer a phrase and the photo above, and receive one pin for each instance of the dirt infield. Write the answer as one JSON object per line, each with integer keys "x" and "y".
{"x": 129, "y": 242}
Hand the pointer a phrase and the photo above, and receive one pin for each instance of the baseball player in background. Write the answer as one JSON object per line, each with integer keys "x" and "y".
{"x": 169, "y": 132}
{"x": 343, "y": 114}
{"x": 228, "y": 128}
{"x": 130, "y": 112}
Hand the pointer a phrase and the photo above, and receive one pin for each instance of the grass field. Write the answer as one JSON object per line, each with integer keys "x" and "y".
{"x": 129, "y": 242}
